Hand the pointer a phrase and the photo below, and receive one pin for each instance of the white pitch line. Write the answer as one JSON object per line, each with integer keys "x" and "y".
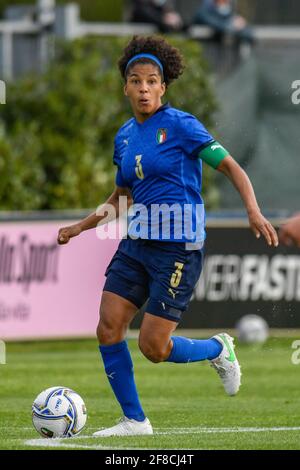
{"x": 59, "y": 443}
{"x": 62, "y": 442}
{"x": 200, "y": 430}
{"x": 11, "y": 428}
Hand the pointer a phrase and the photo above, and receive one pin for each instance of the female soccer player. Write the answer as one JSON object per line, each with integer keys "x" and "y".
{"x": 158, "y": 154}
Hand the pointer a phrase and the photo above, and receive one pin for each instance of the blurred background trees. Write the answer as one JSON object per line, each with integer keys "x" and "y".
{"x": 57, "y": 130}
{"x": 91, "y": 10}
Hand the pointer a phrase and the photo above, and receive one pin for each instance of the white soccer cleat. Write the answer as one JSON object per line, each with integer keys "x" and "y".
{"x": 127, "y": 427}
{"x": 227, "y": 365}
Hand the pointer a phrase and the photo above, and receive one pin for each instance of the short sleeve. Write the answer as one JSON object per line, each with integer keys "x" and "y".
{"x": 193, "y": 135}
{"x": 117, "y": 161}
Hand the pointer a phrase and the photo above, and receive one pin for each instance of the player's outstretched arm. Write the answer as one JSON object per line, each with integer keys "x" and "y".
{"x": 92, "y": 220}
{"x": 289, "y": 233}
{"x": 258, "y": 223}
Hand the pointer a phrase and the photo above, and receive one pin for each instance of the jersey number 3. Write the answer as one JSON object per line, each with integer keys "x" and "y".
{"x": 138, "y": 168}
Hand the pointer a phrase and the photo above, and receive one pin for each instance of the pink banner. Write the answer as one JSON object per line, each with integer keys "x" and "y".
{"x": 47, "y": 290}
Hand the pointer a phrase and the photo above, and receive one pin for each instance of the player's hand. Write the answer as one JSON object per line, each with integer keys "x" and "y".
{"x": 289, "y": 233}
{"x": 261, "y": 226}
{"x": 66, "y": 233}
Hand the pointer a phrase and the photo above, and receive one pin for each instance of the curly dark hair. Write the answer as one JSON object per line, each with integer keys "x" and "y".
{"x": 169, "y": 56}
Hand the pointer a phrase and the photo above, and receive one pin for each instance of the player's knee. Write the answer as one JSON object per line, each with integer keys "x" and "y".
{"x": 108, "y": 334}
{"x": 101, "y": 333}
{"x": 153, "y": 351}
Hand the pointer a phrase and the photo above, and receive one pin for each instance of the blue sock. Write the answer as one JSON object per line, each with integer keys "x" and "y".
{"x": 119, "y": 370}
{"x": 193, "y": 350}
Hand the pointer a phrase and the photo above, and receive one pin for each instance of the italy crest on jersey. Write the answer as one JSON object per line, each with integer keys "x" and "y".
{"x": 161, "y": 136}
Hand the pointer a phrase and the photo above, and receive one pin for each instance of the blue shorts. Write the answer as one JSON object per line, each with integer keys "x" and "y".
{"x": 165, "y": 273}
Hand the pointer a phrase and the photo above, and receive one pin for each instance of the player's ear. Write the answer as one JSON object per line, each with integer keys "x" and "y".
{"x": 125, "y": 90}
{"x": 163, "y": 89}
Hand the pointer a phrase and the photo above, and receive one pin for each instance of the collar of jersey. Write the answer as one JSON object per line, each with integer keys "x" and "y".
{"x": 162, "y": 108}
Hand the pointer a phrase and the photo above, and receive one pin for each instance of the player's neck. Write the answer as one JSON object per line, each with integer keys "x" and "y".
{"x": 142, "y": 117}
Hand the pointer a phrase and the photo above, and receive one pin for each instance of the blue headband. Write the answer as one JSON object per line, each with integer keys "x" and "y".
{"x": 146, "y": 56}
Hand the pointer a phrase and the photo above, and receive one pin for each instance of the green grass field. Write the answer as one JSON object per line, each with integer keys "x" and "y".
{"x": 185, "y": 403}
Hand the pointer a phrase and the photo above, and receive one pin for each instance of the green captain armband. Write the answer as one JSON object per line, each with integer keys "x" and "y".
{"x": 213, "y": 154}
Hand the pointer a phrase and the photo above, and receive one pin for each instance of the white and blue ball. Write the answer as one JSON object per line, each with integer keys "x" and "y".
{"x": 59, "y": 412}
{"x": 252, "y": 329}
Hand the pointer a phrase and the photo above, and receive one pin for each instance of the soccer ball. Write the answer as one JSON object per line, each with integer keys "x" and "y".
{"x": 252, "y": 329}
{"x": 58, "y": 412}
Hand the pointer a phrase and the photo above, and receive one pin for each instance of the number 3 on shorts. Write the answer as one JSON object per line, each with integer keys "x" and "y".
{"x": 177, "y": 275}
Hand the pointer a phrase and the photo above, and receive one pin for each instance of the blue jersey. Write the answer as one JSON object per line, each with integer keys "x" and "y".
{"x": 158, "y": 160}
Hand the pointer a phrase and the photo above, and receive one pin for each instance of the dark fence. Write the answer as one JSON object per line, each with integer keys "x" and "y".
{"x": 269, "y": 12}
{"x": 275, "y": 11}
